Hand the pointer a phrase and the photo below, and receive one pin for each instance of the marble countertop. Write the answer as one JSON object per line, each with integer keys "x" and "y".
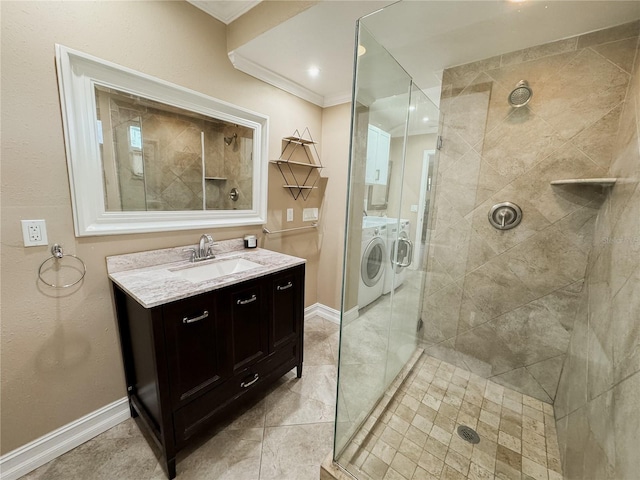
{"x": 152, "y": 278}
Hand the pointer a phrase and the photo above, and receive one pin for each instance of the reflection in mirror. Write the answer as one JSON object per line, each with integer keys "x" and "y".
{"x": 159, "y": 157}
{"x": 378, "y": 195}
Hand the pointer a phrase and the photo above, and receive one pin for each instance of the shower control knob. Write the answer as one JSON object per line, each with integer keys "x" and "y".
{"x": 505, "y": 215}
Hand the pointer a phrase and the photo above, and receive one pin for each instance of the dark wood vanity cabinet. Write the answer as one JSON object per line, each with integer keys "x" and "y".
{"x": 190, "y": 362}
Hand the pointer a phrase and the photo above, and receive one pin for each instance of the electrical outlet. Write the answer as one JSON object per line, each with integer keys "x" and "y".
{"x": 309, "y": 214}
{"x": 34, "y": 233}
{"x": 414, "y": 208}
{"x": 289, "y": 214}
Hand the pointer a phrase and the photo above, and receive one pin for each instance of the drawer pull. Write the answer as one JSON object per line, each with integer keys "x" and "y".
{"x": 251, "y": 382}
{"x": 248, "y": 300}
{"x": 204, "y": 315}
{"x": 281, "y": 287}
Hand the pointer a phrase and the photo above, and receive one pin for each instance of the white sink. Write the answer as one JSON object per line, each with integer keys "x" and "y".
{"x": 211, "y": 271}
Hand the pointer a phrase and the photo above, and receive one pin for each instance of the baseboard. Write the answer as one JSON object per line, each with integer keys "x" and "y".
{"x": 350, "y": 315}
{"x": 27, "y": 458}
{"x": 320, "y": 310}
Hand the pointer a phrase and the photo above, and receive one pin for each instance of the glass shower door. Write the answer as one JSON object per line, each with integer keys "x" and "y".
{"x": 380, "y": 320}
{"x": 406, "y": 236}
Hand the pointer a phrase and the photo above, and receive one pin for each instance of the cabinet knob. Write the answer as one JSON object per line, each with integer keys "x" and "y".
{"x": 248, "y": 300}
{"x": 204, "y": 315}
{"x": 284, "y": 287}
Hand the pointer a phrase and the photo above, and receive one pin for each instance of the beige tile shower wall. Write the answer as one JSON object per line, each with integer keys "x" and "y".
{"x": 60, "y": 357}
{"x": 502, "y": 303}
{"x": 172, "y": 161}
{"x": 598, "y": 401}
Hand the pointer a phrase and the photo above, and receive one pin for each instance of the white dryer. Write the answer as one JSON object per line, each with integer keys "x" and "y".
{"x": 402, "y": 231}
{"x": 372, "y": 264}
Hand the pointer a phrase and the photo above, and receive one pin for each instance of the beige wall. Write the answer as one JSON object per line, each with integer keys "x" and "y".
{"x": 356, "y": 195}
{"x": 407, "y": 189}
{"x": 598, "y": 400}
{"x": 502, "y": 303}
{"x": 335, "y": 157}
{"x": 60, "y": 354}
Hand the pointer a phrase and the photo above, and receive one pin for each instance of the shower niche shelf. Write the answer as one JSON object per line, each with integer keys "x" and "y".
{"x": 596, "y": 182}
{"x": 299, "y": 164}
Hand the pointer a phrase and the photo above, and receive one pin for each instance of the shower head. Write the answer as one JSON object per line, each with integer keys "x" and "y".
{"x": 228, "y": 140}
{"x": 520, "y": 95}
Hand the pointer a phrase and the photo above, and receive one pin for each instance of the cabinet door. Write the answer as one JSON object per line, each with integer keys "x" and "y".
{"x": 245, "y": 314}
{"x": 194, "y": 347}
{"x": 287, "y": 290}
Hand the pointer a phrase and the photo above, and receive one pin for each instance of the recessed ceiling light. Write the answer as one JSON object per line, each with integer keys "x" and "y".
{"x": 361, "y": 50}
{"x": 313, "y": 71}
{"x": 412, "y": 108}
{"x": 425, "y": 119}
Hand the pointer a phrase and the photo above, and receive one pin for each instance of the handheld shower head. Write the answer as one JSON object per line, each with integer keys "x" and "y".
{"x": 521, "y": 95}
{"x": 228, "y": 140}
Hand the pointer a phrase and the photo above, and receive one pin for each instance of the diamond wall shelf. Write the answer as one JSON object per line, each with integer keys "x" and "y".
{"x": 299, "y": 164}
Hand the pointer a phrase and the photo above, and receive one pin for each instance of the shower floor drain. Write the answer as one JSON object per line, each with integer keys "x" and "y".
{"x": 468, "y": 434}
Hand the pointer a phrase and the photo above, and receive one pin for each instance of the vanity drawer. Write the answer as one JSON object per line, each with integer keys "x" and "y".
{"x": 208, "y": 407}
{"x": 199, "y": 413}
{"x": 286, "y": 354}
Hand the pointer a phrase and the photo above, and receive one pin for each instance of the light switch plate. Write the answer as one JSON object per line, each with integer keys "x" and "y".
{"x": 414, "y": 208}
{"x": 309, "y": 214}
{"x": 289, "y": 214}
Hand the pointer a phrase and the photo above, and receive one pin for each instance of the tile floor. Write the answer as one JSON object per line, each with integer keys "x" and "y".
{"x": 284, "y": 436}
{"x": 289, "y": 432}
{"x": 414, "y": 436}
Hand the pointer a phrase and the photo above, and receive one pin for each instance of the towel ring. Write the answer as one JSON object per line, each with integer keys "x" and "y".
{"x": 57, "y": 254}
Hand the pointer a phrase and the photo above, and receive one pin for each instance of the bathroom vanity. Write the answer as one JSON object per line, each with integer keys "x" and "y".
{"x": 198, "y": 339}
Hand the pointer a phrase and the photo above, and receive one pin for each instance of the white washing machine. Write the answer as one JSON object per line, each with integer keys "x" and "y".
{"x": 371, "y": 221}
{"x": 372, "y": 264}
{"x": 401, "y": 230}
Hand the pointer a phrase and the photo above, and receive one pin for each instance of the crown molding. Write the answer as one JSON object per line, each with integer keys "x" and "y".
{"x": 225, "y": 11}
{"x": 272, "y": 78}
{"x": 337, "y": 99}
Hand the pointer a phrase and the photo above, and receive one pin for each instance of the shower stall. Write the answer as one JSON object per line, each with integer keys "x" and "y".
{"x": 504, "y": 202}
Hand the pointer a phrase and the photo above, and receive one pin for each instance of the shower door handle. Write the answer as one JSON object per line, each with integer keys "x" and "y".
{"x": 409, "y": 244}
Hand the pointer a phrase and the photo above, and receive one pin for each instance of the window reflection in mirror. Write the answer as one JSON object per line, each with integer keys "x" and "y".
{"x": 159, "y": 157}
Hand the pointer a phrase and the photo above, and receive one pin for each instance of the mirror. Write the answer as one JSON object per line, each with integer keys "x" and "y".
{"x": 145, "y": 155}
{"x": 378, "y": 195}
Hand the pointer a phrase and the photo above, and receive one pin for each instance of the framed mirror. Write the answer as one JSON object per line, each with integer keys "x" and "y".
{"x": 378, "y": 195}
{"x": 145, "y": 155}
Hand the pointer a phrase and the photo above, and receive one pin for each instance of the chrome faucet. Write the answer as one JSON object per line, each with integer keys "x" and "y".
{"x": 204, "y": 250}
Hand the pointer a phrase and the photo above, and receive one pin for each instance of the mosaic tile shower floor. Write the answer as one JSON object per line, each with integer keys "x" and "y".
{"x": 414, "y": 436}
